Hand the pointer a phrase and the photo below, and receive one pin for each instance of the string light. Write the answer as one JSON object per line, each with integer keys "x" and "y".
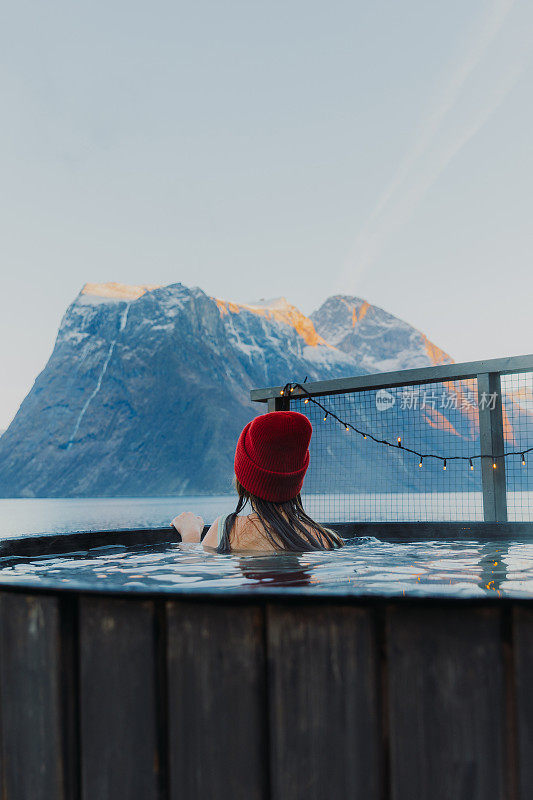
{"x": 289, "y": 389}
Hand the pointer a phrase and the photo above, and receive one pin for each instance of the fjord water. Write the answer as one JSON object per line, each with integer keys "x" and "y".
{"x": 26, "y": 517}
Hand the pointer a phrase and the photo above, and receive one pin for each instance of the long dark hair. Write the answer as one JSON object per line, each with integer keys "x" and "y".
{"x": 286, "y": 525}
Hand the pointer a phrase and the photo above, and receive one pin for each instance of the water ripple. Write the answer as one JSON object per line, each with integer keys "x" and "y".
{"x": 363, "y": 566}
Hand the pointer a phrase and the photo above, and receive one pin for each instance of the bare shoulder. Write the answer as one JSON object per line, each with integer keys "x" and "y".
{"x": 249, "y": 534}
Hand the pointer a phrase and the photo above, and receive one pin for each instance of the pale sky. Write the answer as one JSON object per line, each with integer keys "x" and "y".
{"x": 381, "y": 149}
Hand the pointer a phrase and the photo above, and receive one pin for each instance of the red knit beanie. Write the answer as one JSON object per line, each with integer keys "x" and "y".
{"x": 272, "y": 455}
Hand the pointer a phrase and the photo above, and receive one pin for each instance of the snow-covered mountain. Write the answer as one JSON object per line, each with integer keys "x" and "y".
{"x": 148, "y": 387}
{"x": 380, "y": 341}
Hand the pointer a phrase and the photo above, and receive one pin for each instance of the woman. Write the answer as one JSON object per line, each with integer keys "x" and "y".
{"x": 271, "y": 459}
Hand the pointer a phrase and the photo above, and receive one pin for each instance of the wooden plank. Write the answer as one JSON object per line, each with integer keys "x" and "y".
{"x": 523, "y": 674}
{"x": 118, "y": 704}
{"x": 30, "y": 665}
{"x": 216, "y": 690}
{"x": 324, "y": 710}
{"x": 447, "y": 703}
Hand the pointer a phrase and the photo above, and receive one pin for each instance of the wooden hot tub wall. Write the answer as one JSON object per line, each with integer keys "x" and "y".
{"x": 182, "y": 697}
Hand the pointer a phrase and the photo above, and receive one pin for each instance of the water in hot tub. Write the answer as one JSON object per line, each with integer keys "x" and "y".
{"x": 364, "y": 566}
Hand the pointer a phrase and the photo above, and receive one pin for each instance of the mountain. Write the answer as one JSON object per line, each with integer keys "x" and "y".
{"x": 380, "y": 341}
{"x": 148, "y": 387}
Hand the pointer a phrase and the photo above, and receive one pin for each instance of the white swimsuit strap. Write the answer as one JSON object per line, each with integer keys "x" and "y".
{"x": 221, "y": 523}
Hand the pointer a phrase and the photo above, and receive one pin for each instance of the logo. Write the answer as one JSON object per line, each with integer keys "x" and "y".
{"x": 384, "y": 400}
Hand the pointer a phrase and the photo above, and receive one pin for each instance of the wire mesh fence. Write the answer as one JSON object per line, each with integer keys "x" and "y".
{"x": 353, "y": 478}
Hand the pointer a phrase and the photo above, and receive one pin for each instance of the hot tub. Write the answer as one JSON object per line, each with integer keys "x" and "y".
{"x": 282, "y": 684}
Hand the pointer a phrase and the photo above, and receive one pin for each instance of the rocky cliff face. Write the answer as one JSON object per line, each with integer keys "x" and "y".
{"x": 148, "y": 387}
{"x": 379, "y": 341}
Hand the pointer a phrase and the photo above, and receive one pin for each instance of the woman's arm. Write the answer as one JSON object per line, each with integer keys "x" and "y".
{"x": 210, "y": 540}
{"x": 189, "y": 526}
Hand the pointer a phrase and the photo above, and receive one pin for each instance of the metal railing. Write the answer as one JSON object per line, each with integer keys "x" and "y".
{"x": 459, "y": 436}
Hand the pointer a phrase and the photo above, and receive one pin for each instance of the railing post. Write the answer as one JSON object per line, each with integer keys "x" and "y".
{"x": 492, "y": 441}
{"x": 279, "y": 403}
